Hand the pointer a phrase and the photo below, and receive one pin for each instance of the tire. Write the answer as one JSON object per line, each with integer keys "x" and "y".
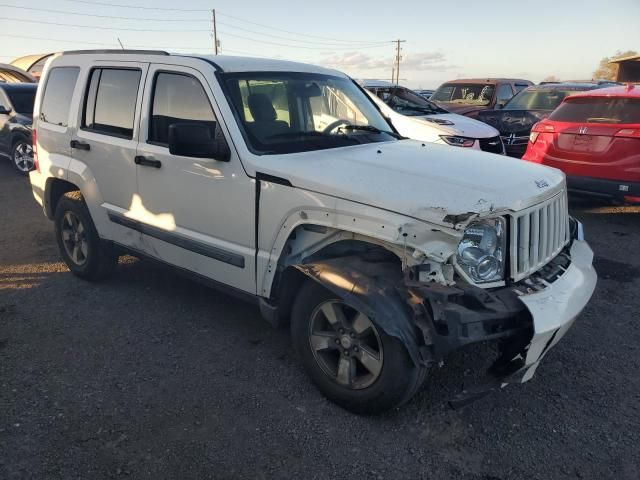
{"x": 22, "y": 155}
{"x": 85, "y": 254}
{"x": 398, "y": 378}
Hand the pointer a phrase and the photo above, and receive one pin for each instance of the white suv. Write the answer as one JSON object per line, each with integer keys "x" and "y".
{"x": 284, "y": 183}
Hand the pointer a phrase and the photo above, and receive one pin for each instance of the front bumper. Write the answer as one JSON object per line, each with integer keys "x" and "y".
{"x": 555, "y": 309}
{"x": 525, "y": 319}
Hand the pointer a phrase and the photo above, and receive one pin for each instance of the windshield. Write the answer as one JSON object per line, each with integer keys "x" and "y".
{"x": 598, "y": 110}
{"x": 406, "y": 102}
{"x": 538, "y": 99}
{"x": 298, "y": 112}
{"x": 465, "y": 93}
{"x": 22, "y": 100}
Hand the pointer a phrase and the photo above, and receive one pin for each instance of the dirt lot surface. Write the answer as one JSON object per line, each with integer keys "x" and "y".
{"x": 149, "y": 375}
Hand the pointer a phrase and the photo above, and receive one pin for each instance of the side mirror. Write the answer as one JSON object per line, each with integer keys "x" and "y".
{"x": 196, "y": 139}
{"x": 5, "y": 110}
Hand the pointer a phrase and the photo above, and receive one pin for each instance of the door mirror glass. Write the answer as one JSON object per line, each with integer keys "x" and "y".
{"x": 200, "y": 140}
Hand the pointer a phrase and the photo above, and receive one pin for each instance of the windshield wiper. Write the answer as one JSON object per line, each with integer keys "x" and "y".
{"x": 370, "y": 128}
{"x": 312, "y": 133}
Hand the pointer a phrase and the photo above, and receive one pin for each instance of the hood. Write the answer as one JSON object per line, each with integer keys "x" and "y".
{"x": 452, "y": 124}
{"x": 513, "y": 121}
{"x": 433, "y": 183}
{"x": 462, "y": 109}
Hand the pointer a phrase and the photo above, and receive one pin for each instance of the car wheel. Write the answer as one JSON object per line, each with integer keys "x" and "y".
{"x": 22, "y": 156}
{"x": 80, "y": 246}
{"x": 353, "y": 361}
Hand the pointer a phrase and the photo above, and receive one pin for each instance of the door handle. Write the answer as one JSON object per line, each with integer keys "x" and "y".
{"x": 79, "y": 145}
{"x": 147, "y": 162}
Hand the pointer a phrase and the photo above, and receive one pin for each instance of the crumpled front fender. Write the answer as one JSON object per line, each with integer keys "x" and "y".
{"x": 371, "y": 288}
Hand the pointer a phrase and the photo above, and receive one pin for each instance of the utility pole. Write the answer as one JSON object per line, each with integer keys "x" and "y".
{"x": 398, "y": 58}
{"x": 215, "y": 32}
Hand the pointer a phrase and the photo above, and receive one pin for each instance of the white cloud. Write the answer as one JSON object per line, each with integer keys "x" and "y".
{"x": 357, "y": 61}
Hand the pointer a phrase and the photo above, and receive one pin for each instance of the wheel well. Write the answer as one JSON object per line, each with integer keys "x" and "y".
{"x": 289, "y": 281}
{"x": 55, "y": 189}
{"x": 18, "y": 136}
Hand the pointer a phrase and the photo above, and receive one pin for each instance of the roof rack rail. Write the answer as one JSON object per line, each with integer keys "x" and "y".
{"x": 115, "y": 50}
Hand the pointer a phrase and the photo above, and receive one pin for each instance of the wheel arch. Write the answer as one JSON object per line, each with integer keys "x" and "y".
{"x": 55, "y": 188}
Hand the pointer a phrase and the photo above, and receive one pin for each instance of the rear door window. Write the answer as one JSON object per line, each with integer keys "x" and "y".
{"x": 58, "y": 92}
{"x": 178, "y": 98}
{"x": 110, "y": 104}
{"x": 598, "y": 110}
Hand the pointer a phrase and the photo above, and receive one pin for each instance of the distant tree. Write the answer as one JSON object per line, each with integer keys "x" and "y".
{"x": 607, "y": 70}
{"x": 551, "y": 78}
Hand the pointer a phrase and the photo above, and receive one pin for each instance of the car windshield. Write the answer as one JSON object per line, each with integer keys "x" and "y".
{"x": 22, "y": 100}
{"x": 406, "y": 102}
{"x": 465, "y": 93}
{"x": 297, "y": 112}
{"x": 538, "y": 99}
{"x": 599, "y": 110}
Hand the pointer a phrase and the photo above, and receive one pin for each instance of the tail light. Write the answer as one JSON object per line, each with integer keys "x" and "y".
{"x": 34, "y": 149}
{"x": 628, "y": 133}
{"x": 537, "y": 129}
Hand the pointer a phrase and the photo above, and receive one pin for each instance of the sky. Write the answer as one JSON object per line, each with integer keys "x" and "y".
{"x": 443, "y": 40}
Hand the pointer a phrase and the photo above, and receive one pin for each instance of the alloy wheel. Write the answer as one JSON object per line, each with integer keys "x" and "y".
{"x": 345, "y": 344}
{"x": 74, "y": 238}
{"x": 23, "y": 157}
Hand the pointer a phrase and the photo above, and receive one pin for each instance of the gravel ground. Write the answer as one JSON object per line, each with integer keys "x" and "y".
{"x": 149, "y": 375}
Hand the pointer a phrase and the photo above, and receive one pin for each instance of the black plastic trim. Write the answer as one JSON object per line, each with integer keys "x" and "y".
{"x": 180, "y": 241}
{"x": 272, "y": 179}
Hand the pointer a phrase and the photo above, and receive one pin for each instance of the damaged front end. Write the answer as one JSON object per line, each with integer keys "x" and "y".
{"x": 524, "y": 319}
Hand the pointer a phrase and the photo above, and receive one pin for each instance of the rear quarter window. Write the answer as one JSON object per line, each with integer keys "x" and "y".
{"x": 598, "y": 110}
{"x": 58, "y": 92}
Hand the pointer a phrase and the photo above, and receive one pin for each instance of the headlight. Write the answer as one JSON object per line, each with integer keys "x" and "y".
{"x": 481, "y": 250}
{"x": 458, "y": 141}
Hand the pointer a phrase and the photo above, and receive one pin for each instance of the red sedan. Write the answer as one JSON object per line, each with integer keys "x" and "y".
{"x": 594, "y": 138}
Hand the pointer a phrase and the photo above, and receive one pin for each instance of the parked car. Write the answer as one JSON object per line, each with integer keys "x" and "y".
{"x": 470, "y": 96}
{"x": 13, "y": 74}
{"x": 384, "y": 255}
{"x": 16, "y": 117}
{"x": 515, "y": 119}
{"x": 425, "y": 93}
{"x": 594, "y": 138}
{"x": 417, "y": 118}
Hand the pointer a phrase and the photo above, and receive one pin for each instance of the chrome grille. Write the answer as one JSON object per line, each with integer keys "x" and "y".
{"x": 538, "y": 234}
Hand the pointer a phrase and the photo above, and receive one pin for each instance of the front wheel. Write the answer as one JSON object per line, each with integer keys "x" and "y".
{"x": 352, "y": 361}
{"x": 80, "y": 246}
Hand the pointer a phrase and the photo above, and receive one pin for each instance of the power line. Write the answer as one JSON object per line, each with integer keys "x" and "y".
{"x": 139, "y": 7}
{"x": 102, "y": 28}
{"x": 102, "y": 44}
{"x": 66, "y": 12}
{"x": 166, "y": 9}
{"x": 259, "y": 40}
{"x": 289, "y": 31}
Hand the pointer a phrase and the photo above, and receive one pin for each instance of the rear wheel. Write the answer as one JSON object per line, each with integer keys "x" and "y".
{"x": 80, "y": 246}
{"x": 352, "y": 361}
{"x": 22, "y": 155}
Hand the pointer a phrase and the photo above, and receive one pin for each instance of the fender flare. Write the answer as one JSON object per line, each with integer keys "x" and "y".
{"x": 375, "y": 290}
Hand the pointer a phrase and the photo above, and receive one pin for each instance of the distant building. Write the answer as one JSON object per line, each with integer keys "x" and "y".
{"x": 32, "y": 63}
{"x": 628, "y": 69}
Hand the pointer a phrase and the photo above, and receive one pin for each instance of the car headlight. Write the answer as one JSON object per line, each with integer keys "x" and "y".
{"x": 481, "y": 250}
{"x": 458, "y": 141}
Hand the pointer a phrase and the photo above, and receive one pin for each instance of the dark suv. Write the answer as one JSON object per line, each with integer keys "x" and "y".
{"x": 470, "y": 96}
{"x": 515, "y": 119}
{"x": 16, "y": 117}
